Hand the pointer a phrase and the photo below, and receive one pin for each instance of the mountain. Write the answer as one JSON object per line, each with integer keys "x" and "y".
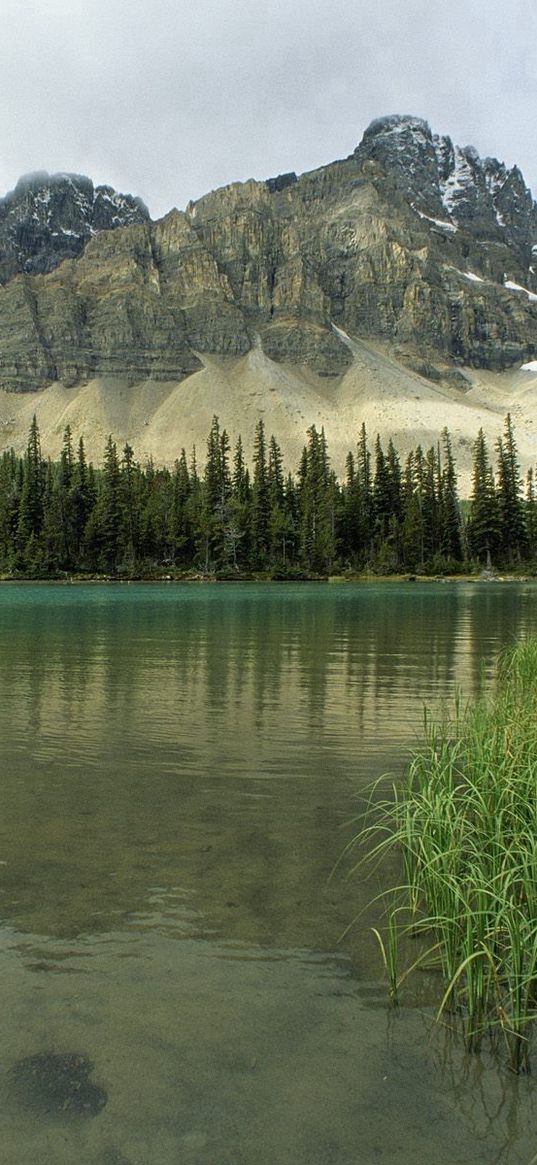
{"x": 413, "y": 260}
{"x": 50, "y": 217}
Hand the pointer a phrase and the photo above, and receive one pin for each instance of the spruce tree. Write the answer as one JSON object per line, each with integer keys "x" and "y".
{"x": 450, "y": 523}
{"x": 81, "y": 500}
{"x": 64, "y": 501}
{"x": 412, "y": 530}
{"x": 531, "y": 515}
{"x": 317, "y": 504}
{"x": 483, "y": 524}
{"x": 365, "y": 495}
{"x": 431, "y": 503}
{"x": 512, "y": 528}
{"x": 130, "y": 495}
{"x": 180, "y": 519}
{"x": 104, "y": 528}
{"x": 260, "y": 500}
{"x": 30, "y": 520}
{"x": 10, "y": 491}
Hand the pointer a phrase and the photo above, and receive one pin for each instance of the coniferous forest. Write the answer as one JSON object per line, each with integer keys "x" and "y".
{"x": 65, "y": 517}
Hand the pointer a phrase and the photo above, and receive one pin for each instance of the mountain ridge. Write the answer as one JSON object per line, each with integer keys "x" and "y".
{"x": 410, "y": 243}
{"x": 410, "y": 239}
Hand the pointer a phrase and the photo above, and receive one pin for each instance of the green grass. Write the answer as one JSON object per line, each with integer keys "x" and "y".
{"x": 465, "y": 824}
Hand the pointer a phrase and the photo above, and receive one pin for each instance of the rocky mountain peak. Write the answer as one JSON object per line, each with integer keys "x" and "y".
{"x": 50, "y": 217}
{"x": 453, "y": 182}
{"x": 413, "y": 241}
{"x": 405, "y": 148}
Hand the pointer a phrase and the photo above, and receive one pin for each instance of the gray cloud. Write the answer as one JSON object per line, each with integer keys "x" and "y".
{"x": 170, "y": 99}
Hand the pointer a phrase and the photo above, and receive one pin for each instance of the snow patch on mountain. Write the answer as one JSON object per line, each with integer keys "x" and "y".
{"x": 511, "y": 286}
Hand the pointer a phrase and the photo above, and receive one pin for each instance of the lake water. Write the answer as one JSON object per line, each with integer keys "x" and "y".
{"x": 180, "y": 770}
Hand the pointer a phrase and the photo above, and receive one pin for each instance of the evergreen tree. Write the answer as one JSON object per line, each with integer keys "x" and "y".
{"x": 512, "y": 529}
{"x": 10, "y": 493}
{"x": 412, "y": 530}
{"x": 63, "y": 502}
{"x": 450, "y": 523}
{"x": 104, "y": 528}
{"x": 364, "y": 487}
{"x": 81, "y": 500}
{"x": 431, "y": 503}
{"x": 130, "y": 495}
{"x": 382, "y": 499}
{"x": 260, "y": 500}
{"x": 483, "y": 524}
{"x": 317, "y": 504}
{"x": 278, "y": 517}
{"x": 349, "y": 521}
{"x": 54, "y": 550}
{"x": 388, "y": 505}
{"x": 30, "y": 520}
{"x": 239, "y": 532}
{"x": 181, "y": 534}
{"x": 531, "y": 515}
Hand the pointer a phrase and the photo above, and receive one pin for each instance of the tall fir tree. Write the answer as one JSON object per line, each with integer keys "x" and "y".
{"x": 483, "y": 521}
{"x": 260, "y": 500}
{"x": 512, "y": 527}
{"x": 531, "y": 515}
{"x": 31, "y": 511}
{"x": 450, "y": 521}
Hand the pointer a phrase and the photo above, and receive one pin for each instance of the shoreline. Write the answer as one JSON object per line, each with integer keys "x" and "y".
{"x": 331, "y": 580}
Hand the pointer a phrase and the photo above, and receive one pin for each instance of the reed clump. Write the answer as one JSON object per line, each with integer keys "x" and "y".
{"x": 465, "y": 822}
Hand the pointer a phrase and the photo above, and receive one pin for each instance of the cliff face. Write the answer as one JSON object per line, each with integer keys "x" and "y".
{"x": 411, "y": 240}
{"x": 49, "y": 218}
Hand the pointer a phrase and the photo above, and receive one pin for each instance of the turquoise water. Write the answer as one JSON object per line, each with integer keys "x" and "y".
{"x": 180, "y": 770}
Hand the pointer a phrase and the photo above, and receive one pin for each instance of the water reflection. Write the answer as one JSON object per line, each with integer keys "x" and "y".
{"x": 213, "y": 738}
{"x": 179, "y": 770}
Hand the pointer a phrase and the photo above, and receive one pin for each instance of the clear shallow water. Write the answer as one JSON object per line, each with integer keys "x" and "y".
{"x": 180, "y": 767}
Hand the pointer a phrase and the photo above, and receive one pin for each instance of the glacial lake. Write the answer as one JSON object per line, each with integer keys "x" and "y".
{"x": 181, "y": 769}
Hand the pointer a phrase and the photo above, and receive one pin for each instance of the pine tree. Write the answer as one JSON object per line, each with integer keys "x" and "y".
{"x": 317, "y": 504}
{"x": 238, "y": 531}
{"x": 412, "y": 531}
{"x": 278, "y": 522}
{"x": 64, "y": 499}
{"x": 365, "y": 495}
{"x": 54, "y": 552}
{"x": 381, "y": 493}
{"x": 349, "y": 522}
{"x": 431, "y": 503}
{"x": 104, "y": 528}
{"x": 388, "y": 505}
{"x": 450, "y": 523}
{"x": 180, "y": 522}
{"x": 260, "y": 500}
{"x": 130, "y": 493}
{"x": 512, "y": 529}
{"x": 10, "y": 492}
{"x": 30, "y": 520}
{"x": 81, "y": 500}
{"x": 483, "y": 524}
{"x": 531, "y": 515}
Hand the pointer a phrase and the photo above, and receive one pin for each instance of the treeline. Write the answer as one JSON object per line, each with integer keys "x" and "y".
{"x": 124, "y": 519}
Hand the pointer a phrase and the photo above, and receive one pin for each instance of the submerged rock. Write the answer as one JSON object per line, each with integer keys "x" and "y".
{"x": 57, "y": 1085}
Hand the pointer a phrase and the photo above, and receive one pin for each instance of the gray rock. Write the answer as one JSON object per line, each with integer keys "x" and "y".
{"x": 49, "y": 218}
{"x": 412, "y": 240}
{"x": 57, "y": 1085}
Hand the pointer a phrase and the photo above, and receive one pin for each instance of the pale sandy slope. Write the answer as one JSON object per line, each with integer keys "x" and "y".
{"x": 158, "y": 419}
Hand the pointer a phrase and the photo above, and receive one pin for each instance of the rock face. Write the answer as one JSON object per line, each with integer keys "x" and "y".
{"x": 412, "y": 240}
{"x": 49, "y": 218}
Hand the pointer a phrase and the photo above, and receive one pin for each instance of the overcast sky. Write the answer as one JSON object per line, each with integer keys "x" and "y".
{"x": 168, "y": 99}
